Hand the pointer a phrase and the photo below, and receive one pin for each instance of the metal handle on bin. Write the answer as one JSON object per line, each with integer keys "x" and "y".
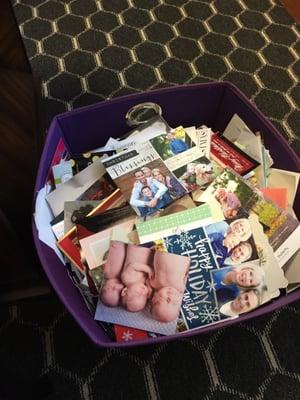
{"x": 140, "y": 110}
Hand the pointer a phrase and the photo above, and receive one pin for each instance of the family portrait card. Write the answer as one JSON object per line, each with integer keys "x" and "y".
{"x": 231, "y": 297}
{"x": 232, "y": 241}
{"x": 142, "y": 288}
{"x": 199, "y": 306}
{"x": 172, "y": 143}
{"x": 197, "y": 174}
{"x": 144, "y": 179}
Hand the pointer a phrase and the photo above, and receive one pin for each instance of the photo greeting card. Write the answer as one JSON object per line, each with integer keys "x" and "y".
{"x": 238, "y": 244}
{"x": 185, "y": 152}
{"x": 142, "y": 288}
{"x": 163, "y": 169}
{"x": 233, "y": 298}
{"x": 144, "y": 179}
{"x": 199, "y": 306}
{"x": 235, "y": 197}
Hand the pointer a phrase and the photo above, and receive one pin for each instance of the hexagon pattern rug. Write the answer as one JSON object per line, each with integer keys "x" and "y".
{"x": 85, "y": 51}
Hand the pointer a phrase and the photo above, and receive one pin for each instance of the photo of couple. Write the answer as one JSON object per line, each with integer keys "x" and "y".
{"x": 136, "y": 277}
{"x": 239, "y": 289}
{"x": 232, "y": 241}
{"x": 154, "y": 187}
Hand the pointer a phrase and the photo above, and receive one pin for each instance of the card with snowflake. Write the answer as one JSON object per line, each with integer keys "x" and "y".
{"x": 199, "y": 305}
{"x": 126, "y": 334}
{"x": 232, "y": 265}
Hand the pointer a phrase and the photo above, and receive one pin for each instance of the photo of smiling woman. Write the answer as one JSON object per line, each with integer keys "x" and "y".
{"x": 232, "y": 241}
{"x": 231, "y": 282}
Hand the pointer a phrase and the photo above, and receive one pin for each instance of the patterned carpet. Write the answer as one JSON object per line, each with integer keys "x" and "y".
{"x": 85, "y": 51}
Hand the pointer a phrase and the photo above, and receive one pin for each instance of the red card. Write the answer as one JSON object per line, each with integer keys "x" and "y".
{"x": 60, "y": 152}
{"x": 227, "y": 154}
{"x": 125, "y": 334}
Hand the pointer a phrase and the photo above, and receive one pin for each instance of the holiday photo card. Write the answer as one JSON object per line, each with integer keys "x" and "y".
{"x": 142, "y": 288}
{"x": 144, "y": 179}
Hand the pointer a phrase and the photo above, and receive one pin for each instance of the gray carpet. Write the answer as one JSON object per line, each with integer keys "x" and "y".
{"x": 85, "y": 51}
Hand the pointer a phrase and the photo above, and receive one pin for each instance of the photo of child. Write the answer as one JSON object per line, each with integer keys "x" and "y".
{"x": 172, "y": 143}
{"x": 136, "y": 278}
{"x": 147, "y": 195}
{"x": 168, "y": 282}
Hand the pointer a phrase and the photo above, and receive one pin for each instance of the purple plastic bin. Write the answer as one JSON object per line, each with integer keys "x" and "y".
{"x": 212, "y": 104}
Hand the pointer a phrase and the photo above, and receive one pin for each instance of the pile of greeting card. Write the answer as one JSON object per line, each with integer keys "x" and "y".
{"x": 173, "y": 229}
